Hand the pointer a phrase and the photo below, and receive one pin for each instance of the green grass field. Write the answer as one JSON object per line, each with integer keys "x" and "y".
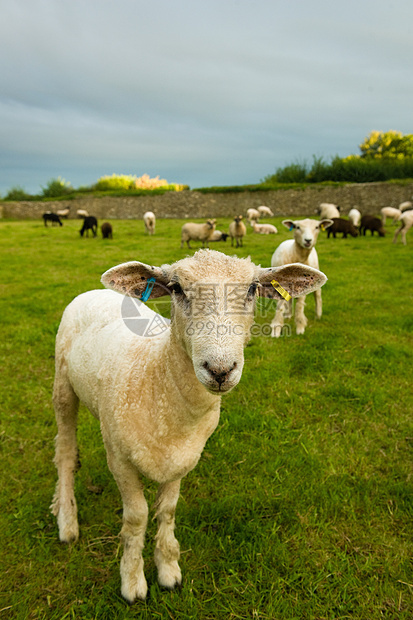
{"x": 302, "y": 504}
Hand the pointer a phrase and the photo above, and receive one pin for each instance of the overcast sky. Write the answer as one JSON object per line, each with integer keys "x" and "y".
{"x": 202, "y": 92}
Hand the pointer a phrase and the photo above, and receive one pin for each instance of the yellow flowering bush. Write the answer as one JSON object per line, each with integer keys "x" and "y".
{"x": 132, "y": 182}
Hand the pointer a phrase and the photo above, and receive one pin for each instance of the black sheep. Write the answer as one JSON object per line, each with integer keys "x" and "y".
{"x": 370, "y": 222}
{"x": 89, "y": 223}
{"x": 106, "y": 229}
{"x": 341, "y": 225}
{"x": 51, "y": 217}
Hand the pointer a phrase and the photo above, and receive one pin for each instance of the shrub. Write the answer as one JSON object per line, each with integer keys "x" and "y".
{"x": 57, "y": 187}
{"x": 17, "y": 193}
{"x": 129, "y": 182}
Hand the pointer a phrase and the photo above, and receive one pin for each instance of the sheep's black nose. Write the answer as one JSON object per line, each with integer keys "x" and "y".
{"x": 219, "y": 374}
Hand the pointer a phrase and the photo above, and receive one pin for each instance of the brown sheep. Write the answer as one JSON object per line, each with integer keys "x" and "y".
{"x": 343, "y": 226}
{"x": 370, "y": 222}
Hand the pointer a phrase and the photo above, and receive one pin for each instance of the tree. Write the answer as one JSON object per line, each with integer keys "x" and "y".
{"x": 387, "y": 145}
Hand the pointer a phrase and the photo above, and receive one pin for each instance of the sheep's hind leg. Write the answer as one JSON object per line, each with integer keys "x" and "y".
{"x": 300, "y": 318}
{"x": 64, "y": 507}
{"x": 278, "y": 321}
{"x": 135, "y": 518}
{"x": 167, "y": 547}
{"x": 318, "y": 304}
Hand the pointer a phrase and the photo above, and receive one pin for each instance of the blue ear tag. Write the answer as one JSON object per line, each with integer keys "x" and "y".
{"x": 291, "y": 227}
{"x": 147, "y": 292}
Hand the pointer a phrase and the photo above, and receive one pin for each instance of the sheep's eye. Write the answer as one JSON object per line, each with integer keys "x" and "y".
{"x": 297, "y": 227}
{"x": 252, "y": 289}
{"x": 177, "y": 289}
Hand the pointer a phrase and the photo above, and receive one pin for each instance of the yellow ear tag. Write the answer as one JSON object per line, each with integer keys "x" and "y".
{"x": 281, "y": 290}
{"x": 322, "y": 228}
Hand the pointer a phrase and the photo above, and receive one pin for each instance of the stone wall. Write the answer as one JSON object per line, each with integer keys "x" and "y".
{"x": 368, "y": 197}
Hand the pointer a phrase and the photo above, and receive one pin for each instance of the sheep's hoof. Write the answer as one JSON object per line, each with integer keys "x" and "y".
{"x": 169, "y": 576}
{"x": 135, "y": 590}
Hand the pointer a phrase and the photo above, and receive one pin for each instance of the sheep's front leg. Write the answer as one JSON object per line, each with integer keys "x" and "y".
{"x": 318, "y": 304}
{"x": 167, "y": 547}
{"x": 135, "y": 518}
{"x": 300, "y": 318}
{"x": 64, "y": 507}
{"x": 278, "y": 321}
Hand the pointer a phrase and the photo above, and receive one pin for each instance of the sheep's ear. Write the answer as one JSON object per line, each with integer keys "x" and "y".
{"x": 326, "y": 223}
{"x": 133, "y": 279}
{"x": 288, "y": 224}
{"x": 288, "y": 281}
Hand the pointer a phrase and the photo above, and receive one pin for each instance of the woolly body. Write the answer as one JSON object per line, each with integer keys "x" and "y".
{"x": 192, "y": 231}
{"x": 149, "y": 220}
{"x": 406, "y": 222}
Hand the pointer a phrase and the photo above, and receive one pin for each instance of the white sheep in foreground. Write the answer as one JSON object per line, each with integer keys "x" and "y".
{"x": 82, "y": 213}
{"x": 390, "y": 212}
{"x": 253, "y": 215}
{"x": 328, "y": 210}
{"x": 265, "y": 211}
{"x": 157, "y": 399}
{"x": 264, "y": 229}
{"x": 354, "y": 216}
{"x": 405, "y": 206}
{"x": 298, "y": 250}
{"x": 149, "y": 220}
{"x": 197, "y": 232}
{"x": 406, "y": 222}
{"x": 237, "y": 230}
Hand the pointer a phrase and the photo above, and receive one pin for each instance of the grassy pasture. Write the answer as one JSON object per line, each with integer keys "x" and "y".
{"x": 302, "y": 504}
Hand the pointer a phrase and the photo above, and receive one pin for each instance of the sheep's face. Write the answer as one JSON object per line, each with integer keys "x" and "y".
{"x": 306, "y": 231}
{"x": 213, "y": 299}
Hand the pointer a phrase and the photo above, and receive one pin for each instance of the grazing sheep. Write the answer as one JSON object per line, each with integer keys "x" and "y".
{"x": 370, "y": 222}
{"x": 81, "y": 213}
{"x": 217, "y": 235}
{"x": 253, "y": 215}
{"x": 264, "y": 229}
{"x": 354, "y": 216}
{"x": 405, "y": 206}
{"x": 157, "y": 398}
{"x": 107, "y": 232}
{"x": 341, "y": 225}
{"x": 406, "y": 222}
{"x": 237, "y": 230}
{"x": 197, "y": 232}
{"x": 89, "y": 223}
{"x": 51, "y": 217}
{"x": 63, "y": 212}
{"x": 265, "y": 211}
{"x": 328, "y": 210}
{"x": 298, "y": 250}
{"x": 149, "y": 220}
{"x": 389, "y": 212}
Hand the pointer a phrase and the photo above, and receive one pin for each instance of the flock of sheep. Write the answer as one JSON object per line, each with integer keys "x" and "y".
{"x": 158, "y": 399}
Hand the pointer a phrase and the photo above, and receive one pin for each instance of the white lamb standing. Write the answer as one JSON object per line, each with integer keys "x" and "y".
{"x": 82, "y": 213}
{"x": 328, "y": 210}
{"x": 237, "y": 230}
{"x": 149, "y": 220}
{"x": 63, "y": 212}
{"x": 354, "y": 216}
{"x": 264, "y": 229}
{"x": 157, "y": 399}
{"x": 253, "y": 215}
{"x": 406, "y": 222}
{"x": 265, "y": 211}
{"x": 298, "y": 250}
{"x": 390, "y": 212}
{"x": 197, "y": 232}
